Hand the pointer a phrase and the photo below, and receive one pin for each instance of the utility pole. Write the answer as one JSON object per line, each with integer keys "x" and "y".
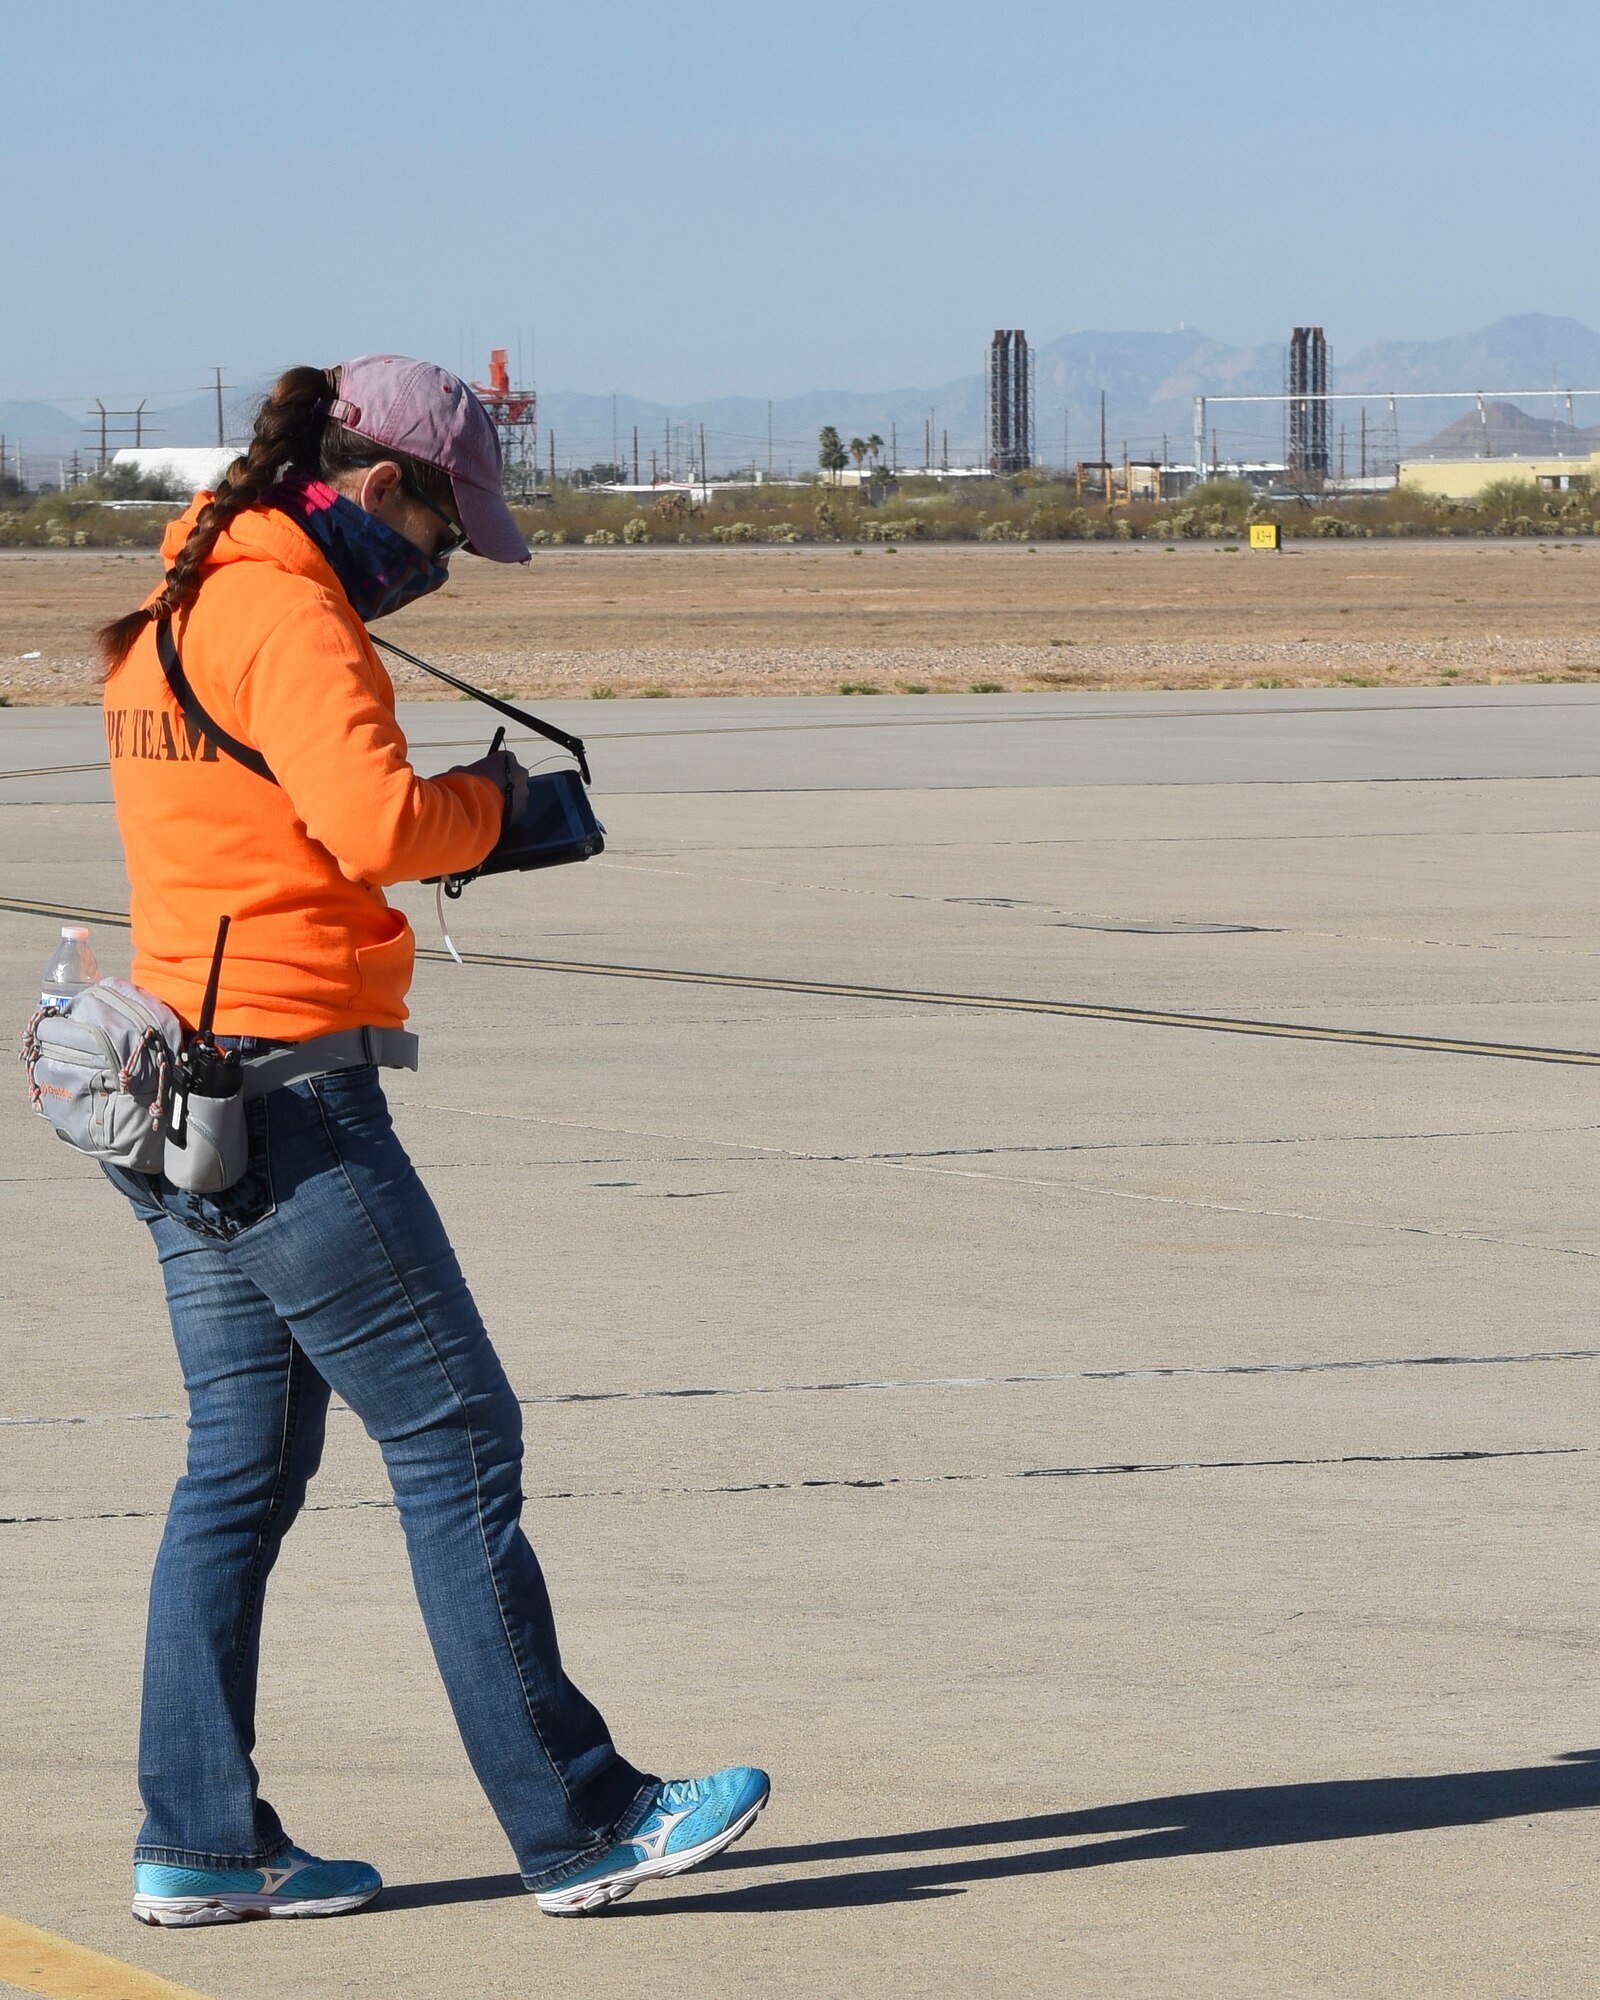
{"x": 552, "y": 464}
{"x": 944, "y": 459}
{"x": 652, "y": 469}
{"x": 217, "y": 372}
{"x": 1103, "y": 427}
{"x": 894, "y": 448}
{"x": 636, "y": 454}
{"x": 614, "y": 459}
{"x": 1363, "y": 440}
{"x": 704, "y": 475}
{"x": 769, "y": 437}
{"x": 102, "y": 425}
{"x": 666, "y": 453}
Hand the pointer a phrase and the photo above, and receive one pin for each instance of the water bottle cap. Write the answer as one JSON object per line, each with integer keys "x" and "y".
{"x": 79, "y": 931}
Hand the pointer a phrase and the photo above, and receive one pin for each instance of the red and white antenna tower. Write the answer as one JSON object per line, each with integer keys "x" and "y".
{"x": 515, "y": 415}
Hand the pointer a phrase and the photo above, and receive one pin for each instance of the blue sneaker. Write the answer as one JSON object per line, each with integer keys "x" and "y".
{"x": 690, "y": 1821}
{"x": 297, "y": 1886}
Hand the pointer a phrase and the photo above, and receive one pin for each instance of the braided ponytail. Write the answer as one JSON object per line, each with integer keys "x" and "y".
{"x": 289, "y": 431}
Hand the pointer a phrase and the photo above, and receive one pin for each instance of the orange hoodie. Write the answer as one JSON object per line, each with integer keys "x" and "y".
{"x": 279, "y": 660}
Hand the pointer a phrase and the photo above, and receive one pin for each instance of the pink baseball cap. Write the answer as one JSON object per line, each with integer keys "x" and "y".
{"x": 430, "y": 415}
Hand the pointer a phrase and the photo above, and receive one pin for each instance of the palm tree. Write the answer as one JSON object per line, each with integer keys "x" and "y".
{"x": 875, "y": 447}
{"x": 858, "y": 451}
{"x": 830, "y": 453}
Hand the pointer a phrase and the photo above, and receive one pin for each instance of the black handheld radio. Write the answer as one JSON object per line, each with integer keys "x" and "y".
{"x": 203, "y": 1069}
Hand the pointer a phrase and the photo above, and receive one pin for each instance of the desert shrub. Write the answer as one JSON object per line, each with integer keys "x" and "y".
{"x": 733, "y": 531}
{"x": 1336, "y": 525}
{"x": 67, "y": 521}
{"x": 1059, "y": 524}
{"x": 1227, "y": 500}
{"x": 126, "y": 482}
{"x": 780, "y": 531}
{"x": 1001, "y": 531}
{"x": 599, "y": 538}
{"x": 635, "y": 531}
{"x": 1509, "y": 497}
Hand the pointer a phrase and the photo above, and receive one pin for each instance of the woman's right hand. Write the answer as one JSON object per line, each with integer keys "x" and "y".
{"x": 503, "y": 770}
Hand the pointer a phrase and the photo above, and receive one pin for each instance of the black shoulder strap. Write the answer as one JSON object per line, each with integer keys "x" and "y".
{"x": 196, "y": 717}
{"x": 573, "y": 745}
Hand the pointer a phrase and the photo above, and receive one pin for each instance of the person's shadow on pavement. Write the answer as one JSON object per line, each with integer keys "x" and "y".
{"x": 1140, "y": 1830}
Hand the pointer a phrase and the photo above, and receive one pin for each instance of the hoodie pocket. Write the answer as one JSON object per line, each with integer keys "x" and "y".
{"x": 383, "y": 975}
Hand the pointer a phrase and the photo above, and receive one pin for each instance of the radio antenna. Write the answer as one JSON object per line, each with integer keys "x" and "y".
{"x": 208, "y": 1006}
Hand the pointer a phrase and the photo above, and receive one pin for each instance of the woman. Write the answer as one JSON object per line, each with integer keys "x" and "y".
{"x": 326, "y": 1267}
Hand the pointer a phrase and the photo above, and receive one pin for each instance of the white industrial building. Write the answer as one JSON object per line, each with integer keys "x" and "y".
{"x": 197, "y": 467}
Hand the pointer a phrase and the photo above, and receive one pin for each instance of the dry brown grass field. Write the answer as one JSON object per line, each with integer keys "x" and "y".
{"x": 810, "y": 620}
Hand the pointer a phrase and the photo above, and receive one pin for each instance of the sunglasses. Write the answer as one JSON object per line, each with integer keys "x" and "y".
{"x": 454, "y": 537}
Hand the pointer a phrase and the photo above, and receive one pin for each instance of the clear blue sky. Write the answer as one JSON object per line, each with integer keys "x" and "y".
{"x": 691, "y": 197}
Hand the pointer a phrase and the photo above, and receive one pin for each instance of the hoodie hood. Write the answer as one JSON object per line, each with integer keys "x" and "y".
{"x": 259, "y": 534}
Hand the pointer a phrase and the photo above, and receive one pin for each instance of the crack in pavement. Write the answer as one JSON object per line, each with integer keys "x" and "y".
{"x": 1245, "y": 1208}
{"x": 915, "y": 1163}
{"x": 882, "y": 1385}
{"x": 1200, "y": 1143}
{"x": 1130, "y": 1468}
{"x": 686, "y": 849}
{"x": 1077, "y": 1010}
{"x": 1117, "y": 923}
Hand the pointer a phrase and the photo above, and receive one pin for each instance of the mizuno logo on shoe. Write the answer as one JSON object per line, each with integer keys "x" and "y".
{"x": 273, "y": 1879}
{"x": 655, "y": 1841}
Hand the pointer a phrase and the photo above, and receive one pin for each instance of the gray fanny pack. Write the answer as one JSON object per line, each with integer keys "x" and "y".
{"x": 115, "y": 1078}
{"x": 101, "y": 1072}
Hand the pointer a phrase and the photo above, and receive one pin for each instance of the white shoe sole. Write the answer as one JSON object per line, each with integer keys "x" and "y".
{"x": 584, "y": 1897}
{"x": 179, "y": 1912}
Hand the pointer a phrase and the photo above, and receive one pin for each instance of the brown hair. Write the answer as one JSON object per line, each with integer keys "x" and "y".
{"x": 292, "y": 429}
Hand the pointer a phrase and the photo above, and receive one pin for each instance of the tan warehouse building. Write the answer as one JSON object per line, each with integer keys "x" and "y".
{"x": 1465, "y": 478}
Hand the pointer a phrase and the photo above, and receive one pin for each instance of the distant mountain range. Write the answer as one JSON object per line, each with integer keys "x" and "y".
{"x": 1504, "y": 430}
{"x": 1149, "y": 381}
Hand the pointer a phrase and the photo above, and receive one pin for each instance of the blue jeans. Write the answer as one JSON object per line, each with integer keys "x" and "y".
{"x": 327, "y": 1268}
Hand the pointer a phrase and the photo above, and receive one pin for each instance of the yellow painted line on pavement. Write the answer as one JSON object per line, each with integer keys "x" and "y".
{"x": 997, "y": 1003}
{"x": 56, "y": 1969}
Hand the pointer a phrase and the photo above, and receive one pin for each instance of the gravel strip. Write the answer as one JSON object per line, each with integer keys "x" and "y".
{"x": 938, "y": 670}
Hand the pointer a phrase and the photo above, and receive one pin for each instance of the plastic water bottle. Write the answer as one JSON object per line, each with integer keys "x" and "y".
{"x": 71, "y": 967}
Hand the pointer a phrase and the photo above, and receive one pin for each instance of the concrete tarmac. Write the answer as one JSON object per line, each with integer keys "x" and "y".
{"x": 1133, "y": 1483}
